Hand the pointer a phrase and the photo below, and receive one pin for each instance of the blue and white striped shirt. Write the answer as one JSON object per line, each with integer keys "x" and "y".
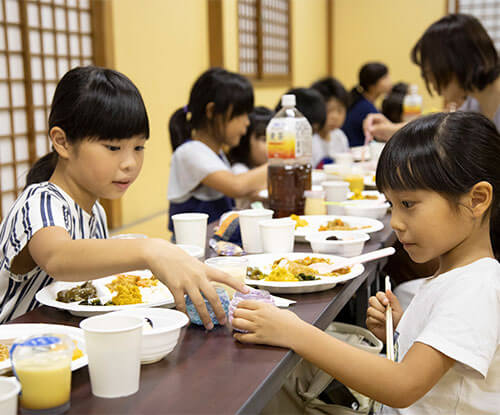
{"x": 39, "y": 206}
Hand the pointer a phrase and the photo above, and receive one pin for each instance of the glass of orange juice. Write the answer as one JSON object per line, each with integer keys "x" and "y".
{"x": 42, "y": 364}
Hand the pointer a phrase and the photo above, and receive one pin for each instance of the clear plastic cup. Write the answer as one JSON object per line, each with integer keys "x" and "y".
{"x": 113, "y": 342}
{"x": 42, "y": 364}
{"x": 235, "y": 266}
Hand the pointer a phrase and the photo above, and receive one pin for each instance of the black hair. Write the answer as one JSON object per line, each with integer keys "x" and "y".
{"x": 369, "y": 74}
{"x": 392, "y": 105}
{"x": 310, "y": 103}
{"x": 259, "y": 118}
{"x": 331, "y": 88}
{"x": 92, "y": 103}
{"x": 231, "y": 93}
{"x": 456, "y": 45}
{"x": 447, "y": 153}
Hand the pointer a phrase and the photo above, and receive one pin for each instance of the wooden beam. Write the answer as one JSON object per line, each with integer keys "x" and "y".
{"x": 215, "y": 33}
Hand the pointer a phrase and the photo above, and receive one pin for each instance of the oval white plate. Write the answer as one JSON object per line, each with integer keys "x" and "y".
{"x": 264, "y": 263}
{"x": 48, "y": 295}
{"x": 10, "y": 331}
{"x": 315, "y": 221}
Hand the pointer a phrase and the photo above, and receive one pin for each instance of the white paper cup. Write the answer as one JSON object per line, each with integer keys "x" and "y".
{"x": 249, "y": 228}
{"x": 9, "y": 390}
{"x": 278, "y": 235}
{"x": 191, "y": 229}
{"x": 113, "y": 345}
{"x": 335, "y": 191}
{"x": 343, "y": 158}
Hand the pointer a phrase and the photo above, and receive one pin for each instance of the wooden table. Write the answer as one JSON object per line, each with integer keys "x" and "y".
{"x": 210, "y": 373}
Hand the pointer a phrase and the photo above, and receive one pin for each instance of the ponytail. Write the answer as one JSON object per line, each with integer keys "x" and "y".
{"x": 354, "y": 96}
{"x": 179, "y": 127}
{"x": 42, "y": 170}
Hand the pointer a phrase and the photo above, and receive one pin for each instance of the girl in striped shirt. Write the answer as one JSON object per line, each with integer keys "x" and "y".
{"x": 57, "y": 230}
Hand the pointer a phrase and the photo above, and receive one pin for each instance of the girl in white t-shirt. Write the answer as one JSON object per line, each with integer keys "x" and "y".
{"x": 57, "y": 230}
{"x": 440, "y": 173}
{"x": 201, "y": 179}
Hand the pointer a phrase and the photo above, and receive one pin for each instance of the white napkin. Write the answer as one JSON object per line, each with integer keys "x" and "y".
{"x": 282, "y": 302}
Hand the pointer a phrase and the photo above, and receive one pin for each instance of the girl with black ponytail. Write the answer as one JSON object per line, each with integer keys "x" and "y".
{"x": 57, "y": 230}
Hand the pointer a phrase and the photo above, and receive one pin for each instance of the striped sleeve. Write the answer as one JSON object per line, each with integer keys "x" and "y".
{"x": 38, "y": 211}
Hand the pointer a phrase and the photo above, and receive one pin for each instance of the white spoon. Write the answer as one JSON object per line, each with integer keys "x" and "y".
{"x": 324, "y": 268}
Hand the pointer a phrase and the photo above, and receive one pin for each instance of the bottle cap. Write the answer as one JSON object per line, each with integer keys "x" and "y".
{"x": 413, "y": 89}
{"x": 288, "y": 100}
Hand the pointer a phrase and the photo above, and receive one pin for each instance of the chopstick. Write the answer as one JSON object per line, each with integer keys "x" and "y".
{"x": 389, "y": 334}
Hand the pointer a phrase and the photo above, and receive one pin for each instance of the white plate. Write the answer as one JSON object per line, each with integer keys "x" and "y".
{"x": 10, "y": 331}
{"x": 263, "y": 194}
{"x": 264, "y": 262}
{"x": 48, "y": 295}
{"x": 316, "y": 221}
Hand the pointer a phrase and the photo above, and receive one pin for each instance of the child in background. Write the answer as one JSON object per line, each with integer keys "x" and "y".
{"x": 445, "y": 205}
{"x": 200, "y": 174}
{"x": 373, "y": 81}
{"x": 331, "y": 139}
{"x": 392, "y": 105}
{"x": 57, "y": 230}
{"x": 251, "y": 152}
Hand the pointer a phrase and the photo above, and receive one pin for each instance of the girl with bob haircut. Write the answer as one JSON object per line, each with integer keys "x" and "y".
{"x": 458, "y": 60}
{"x": 373, "y": 81}
{"x": 57, "y": 229}
{"x": 445, "y": 205}
{"x": 216, "y": 116}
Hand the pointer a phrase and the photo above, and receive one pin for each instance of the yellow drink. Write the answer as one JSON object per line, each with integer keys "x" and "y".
{"x": 356, "y": 183}
{"x": 44, "y": 384}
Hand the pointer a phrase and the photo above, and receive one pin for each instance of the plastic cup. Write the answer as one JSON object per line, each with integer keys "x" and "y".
{"x": 191, "y": 229}
{"x": 249, "y": 228}
{"x": 113, "y": 343}
{"x": 278, "y": 235}
{"x": 235, "y": 266}
{"x": 9, "y": 390}
{"x": 42, "y": 364}
{"x": 335, "y": 191}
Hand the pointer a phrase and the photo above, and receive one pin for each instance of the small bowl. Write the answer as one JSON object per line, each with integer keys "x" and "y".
{"x": 350, "y": 243}
{"x": 366, "y": 208}
{"x": 193, "y": 250}
{"x": 158, "y": 341}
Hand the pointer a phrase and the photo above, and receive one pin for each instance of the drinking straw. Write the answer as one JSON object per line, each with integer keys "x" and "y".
{"x": 389, "y": 335}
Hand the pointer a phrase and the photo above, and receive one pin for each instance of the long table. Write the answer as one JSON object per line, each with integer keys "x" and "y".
{"x": 209, "y": 372}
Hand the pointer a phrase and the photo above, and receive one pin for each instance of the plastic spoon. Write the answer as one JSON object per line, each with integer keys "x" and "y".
{"x": 323, "y": 268}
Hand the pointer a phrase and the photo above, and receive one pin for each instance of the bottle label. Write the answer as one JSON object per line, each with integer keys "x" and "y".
{"x": 280, "y": 139}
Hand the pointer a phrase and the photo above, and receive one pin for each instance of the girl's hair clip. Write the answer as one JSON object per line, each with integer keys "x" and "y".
{"x": 187, "y": 112}
{"x": 360, "y": 89}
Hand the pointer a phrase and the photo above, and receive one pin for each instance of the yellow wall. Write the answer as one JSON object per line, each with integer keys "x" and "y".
{"x": 162, "y": 45}
{"x": 367, "y": 30}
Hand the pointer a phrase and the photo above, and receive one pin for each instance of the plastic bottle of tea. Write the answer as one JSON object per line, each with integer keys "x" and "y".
{"x": 289, "y": 146}
{"x": 412, "y": 104}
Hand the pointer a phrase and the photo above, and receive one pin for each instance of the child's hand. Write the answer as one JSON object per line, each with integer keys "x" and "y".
{"x": 265, "y": 323}
{"x": 184, "y": 274}
{"x": 375, "y": 315}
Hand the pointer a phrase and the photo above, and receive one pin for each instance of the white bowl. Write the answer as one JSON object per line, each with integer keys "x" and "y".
{"x": 349, "y": 244}
{"x": 193, "y": 250}
{"x": 160, "y": 340}
{"x": 366, "y": 208}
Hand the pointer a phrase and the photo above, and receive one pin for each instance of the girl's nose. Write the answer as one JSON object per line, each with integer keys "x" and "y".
{"x": 396, "y": 222}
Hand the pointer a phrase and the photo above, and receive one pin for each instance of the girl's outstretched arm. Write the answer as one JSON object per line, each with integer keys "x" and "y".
{"x": 238, "y": 185}
{"x": 394, "y": 384}
{"x": 66, "y": 259}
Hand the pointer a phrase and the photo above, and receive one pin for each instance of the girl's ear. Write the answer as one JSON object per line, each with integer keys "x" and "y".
{"x": 60, "y": 142}
{"x": 481, "y": 196}
{"x": 209, "y": 110}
